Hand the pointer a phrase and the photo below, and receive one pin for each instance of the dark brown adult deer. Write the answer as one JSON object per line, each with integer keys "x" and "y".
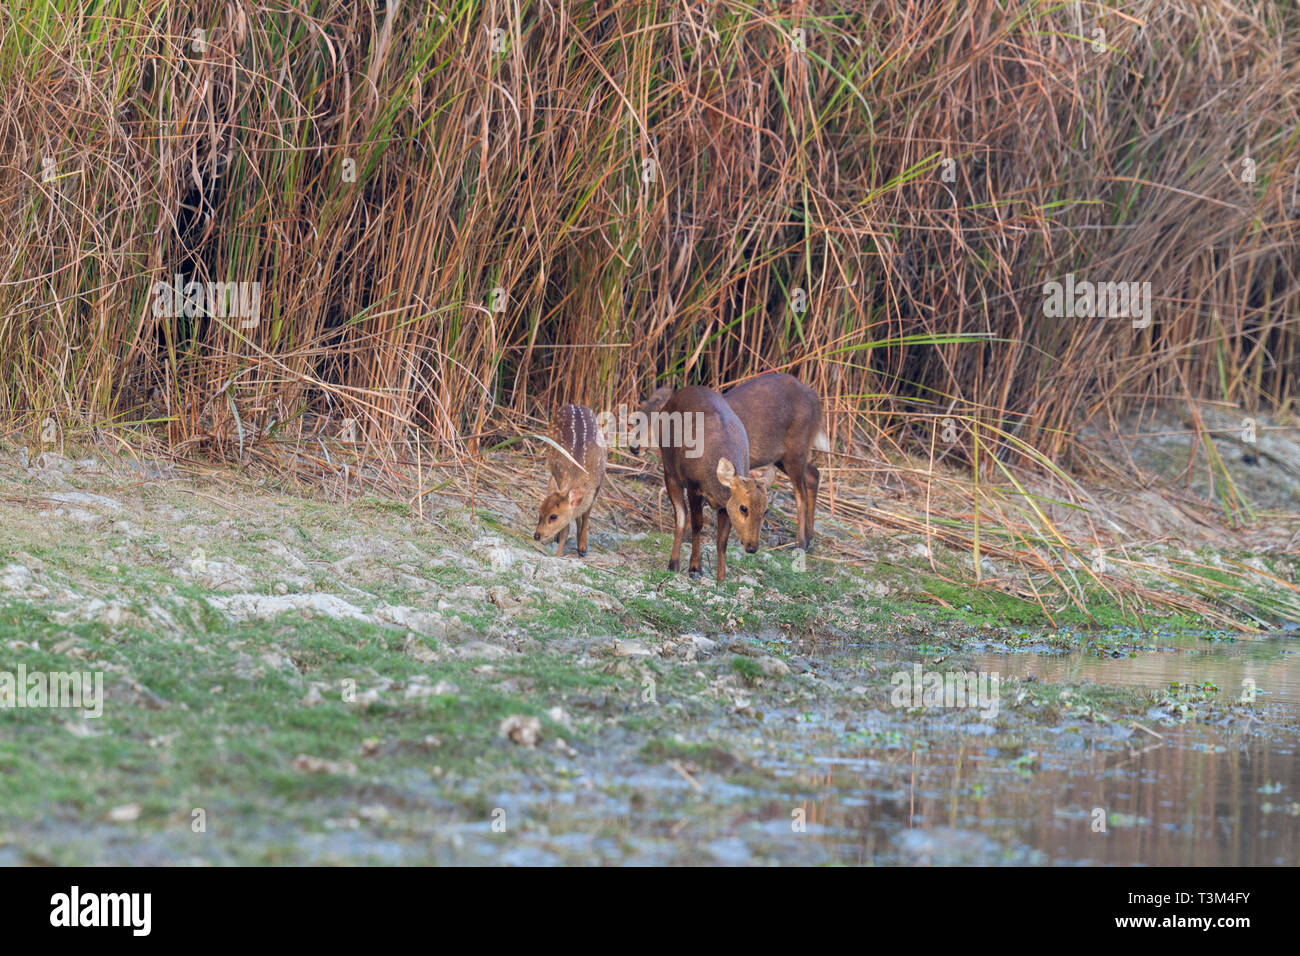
{"x": 576, "y": 477}
{"x": 705, "y": 454}
{"x": 783, "y": 420}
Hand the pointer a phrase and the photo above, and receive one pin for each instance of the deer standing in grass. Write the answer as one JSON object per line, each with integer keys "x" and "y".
{"x": 783, "y": 420}
{"x": 576, "y": 477}
{"x": 713, "y": 466}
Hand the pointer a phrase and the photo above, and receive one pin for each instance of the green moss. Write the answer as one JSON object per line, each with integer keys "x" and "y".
{"x": 747, "y": 668}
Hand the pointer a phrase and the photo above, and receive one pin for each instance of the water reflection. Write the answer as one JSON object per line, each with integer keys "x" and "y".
{"x": 1272, "y": 663}
{"x": 1193, "y": 796}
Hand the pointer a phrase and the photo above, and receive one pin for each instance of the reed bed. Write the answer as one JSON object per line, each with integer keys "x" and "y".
{"x": 461, "y": 214}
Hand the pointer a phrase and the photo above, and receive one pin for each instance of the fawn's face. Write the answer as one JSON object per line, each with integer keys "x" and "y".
{"x": 748, "y": 501}
{"x": 555, "y": 513}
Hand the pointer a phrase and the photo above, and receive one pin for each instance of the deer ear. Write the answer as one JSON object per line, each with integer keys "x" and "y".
{"x": 658, "y": 399}
{"x": 575, "y": 496}
{"x": 764, "y": 476}
{"x": 726, "y": 471}
{"x": 551, "y": 486}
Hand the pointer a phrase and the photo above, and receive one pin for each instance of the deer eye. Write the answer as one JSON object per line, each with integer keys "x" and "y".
{"x": 553, "y": 517}
{"x": 744, "y": 510}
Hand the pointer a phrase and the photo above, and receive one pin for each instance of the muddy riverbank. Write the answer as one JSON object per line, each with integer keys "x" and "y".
{"x": 289, "y": 678}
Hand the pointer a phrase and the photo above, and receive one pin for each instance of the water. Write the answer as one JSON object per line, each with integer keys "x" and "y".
{"x": 1183, "y": 796}
{"x": 1272, "y": 662}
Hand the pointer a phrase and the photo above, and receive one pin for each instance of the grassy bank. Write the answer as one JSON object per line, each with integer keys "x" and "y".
{"x": 327, "y": 681}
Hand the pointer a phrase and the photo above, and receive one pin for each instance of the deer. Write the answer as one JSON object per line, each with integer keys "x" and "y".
{"x": 783, "y": 419}
{"x": 576, "y": 459}
{"x": 708, "y": 460}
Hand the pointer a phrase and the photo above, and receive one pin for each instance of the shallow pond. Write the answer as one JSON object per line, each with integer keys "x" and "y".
{"x": 1167, "y": 796}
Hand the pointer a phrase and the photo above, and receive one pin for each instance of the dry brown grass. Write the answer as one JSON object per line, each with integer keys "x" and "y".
{"x": 631, "y": 191}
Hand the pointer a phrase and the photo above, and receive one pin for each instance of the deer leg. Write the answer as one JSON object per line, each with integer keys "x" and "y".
{"x": 794, "y": 470}
{"x": 697, "y": 525}
{"x": 813, "y": 480}
{"x": 724, "y": 532}
{"x": 582, "y": 534}
{"x": 561, "y": 539}
{"x": 798, "y": 498}
{"x": 679, "y": 525}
